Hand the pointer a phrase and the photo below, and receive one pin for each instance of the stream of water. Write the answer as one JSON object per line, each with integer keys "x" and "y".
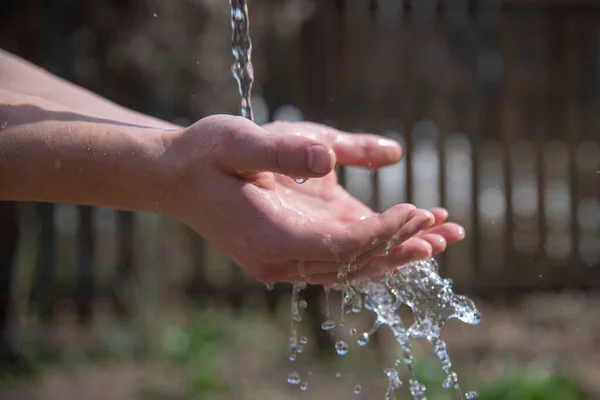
{"x": 417, "y": 285}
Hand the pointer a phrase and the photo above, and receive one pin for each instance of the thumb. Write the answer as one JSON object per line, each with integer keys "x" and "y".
{"x": 294, "y": 156}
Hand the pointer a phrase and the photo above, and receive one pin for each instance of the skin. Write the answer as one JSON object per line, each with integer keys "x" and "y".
{"x": 227, "y": 178}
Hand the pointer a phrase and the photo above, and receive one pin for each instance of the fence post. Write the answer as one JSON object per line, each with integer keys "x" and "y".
{"x": 9, "y": 238}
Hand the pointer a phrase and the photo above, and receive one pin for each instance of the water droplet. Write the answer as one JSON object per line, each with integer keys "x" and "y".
{"x": 155, "y": 15}
{"x": 450, "y": 381}
{"x": 352, "y": 266}
{"x": 304, "y": 386}
{"x": 303, "y": 304}
{"x": 300, "y": 181}
{"x": 389, "y": 246}
{"x": 352, "y": 332}
{"x": 363, "y": 339}
{"x": 303, "y": 340}
{"x": 397, "y": 363}
{"x": 301, "y": 271}
{"x": 294, "y": 378}
{"x": 299, "y": 350}
{"x": 270, "y": 286}
{"x": 4, "y": 125}
{"x": 341, "y": 276}
{"x": 472, "y": 395}
{"x": 341, "y": 347}
{"x": 328, "y": 325}
{"x": 338, "y": 375}
{"x": 357, "y": 389}
{"x": 417, "y": 390}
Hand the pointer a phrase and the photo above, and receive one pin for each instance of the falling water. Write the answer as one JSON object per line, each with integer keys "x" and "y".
{"x": 417, "y": 285}
{"x": 241, "y": 47}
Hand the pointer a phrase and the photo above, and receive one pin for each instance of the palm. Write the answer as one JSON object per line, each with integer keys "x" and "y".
{"x": 290, "y": 231}
{"x": 319, "y": 199}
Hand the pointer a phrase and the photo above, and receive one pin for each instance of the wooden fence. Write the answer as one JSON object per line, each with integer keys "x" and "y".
{"x": 496, "y": 106}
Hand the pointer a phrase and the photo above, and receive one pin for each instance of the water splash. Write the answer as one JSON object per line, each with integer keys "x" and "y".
{"x": 433, "y": 303}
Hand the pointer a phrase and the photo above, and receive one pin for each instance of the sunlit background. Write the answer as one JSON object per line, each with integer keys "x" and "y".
{"x": 497, "y": 105}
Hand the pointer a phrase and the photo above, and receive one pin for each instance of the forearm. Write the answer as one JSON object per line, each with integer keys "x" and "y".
{"x": 50, "y": 153}
{"x": 20, "y": 76}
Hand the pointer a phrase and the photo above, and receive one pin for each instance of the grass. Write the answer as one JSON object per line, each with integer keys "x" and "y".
{"x": 200, "y": 347}
{"x": 203, "y": 344}
{"x": 521, "y": 382}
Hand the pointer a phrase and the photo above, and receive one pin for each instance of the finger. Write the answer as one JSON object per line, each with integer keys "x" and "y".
{"x": 440, "y": 214}
{"x": 362, "y": 150}
{"x": 438, "y": 243}
{"x": 324, "y": 241}
{"x": 450, "y": 231}
{"x": 252, "y": 149}
{"x": 414, "y": 249}
{"x": 365, "y": 150}
{"x": 286, "y": 271}
{"x": 422, "y": 220}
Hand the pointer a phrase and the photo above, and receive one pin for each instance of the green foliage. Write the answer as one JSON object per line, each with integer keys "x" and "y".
{"x": 429, "y": 372}
{"x": 199, "y": 346}
{"x": 521, "y": 383}
{"x": 531, "y": 385}
{"x": 30, "y": 364}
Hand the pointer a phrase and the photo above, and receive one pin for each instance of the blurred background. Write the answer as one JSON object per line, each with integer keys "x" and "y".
{"x": 497, "y": 106}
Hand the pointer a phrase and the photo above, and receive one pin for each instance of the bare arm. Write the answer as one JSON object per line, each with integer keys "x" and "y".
{"x": 20, "y": 76}
{"x": 49, "y": 152}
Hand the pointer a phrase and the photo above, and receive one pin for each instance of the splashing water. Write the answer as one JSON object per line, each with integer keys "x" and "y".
{"x": 432, "y": 302}
{"x": 416, "y": 285}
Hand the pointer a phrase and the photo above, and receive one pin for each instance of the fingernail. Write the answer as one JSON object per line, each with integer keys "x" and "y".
{"x": 393, "y": 145}
{"x": 319, "y": 159}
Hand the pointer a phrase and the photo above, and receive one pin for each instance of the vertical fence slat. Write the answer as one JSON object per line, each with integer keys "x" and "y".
{"x": 540, "y": 109}
{"x": 572, "y": 127}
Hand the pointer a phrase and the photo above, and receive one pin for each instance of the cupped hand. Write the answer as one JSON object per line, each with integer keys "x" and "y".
{"x": 234, "y": 182}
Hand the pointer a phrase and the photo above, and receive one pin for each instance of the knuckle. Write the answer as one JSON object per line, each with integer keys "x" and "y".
{"x": 272, "y": 153}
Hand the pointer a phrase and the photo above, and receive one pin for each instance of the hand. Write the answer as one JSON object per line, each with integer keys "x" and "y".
{"x": 232, "y": 182}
